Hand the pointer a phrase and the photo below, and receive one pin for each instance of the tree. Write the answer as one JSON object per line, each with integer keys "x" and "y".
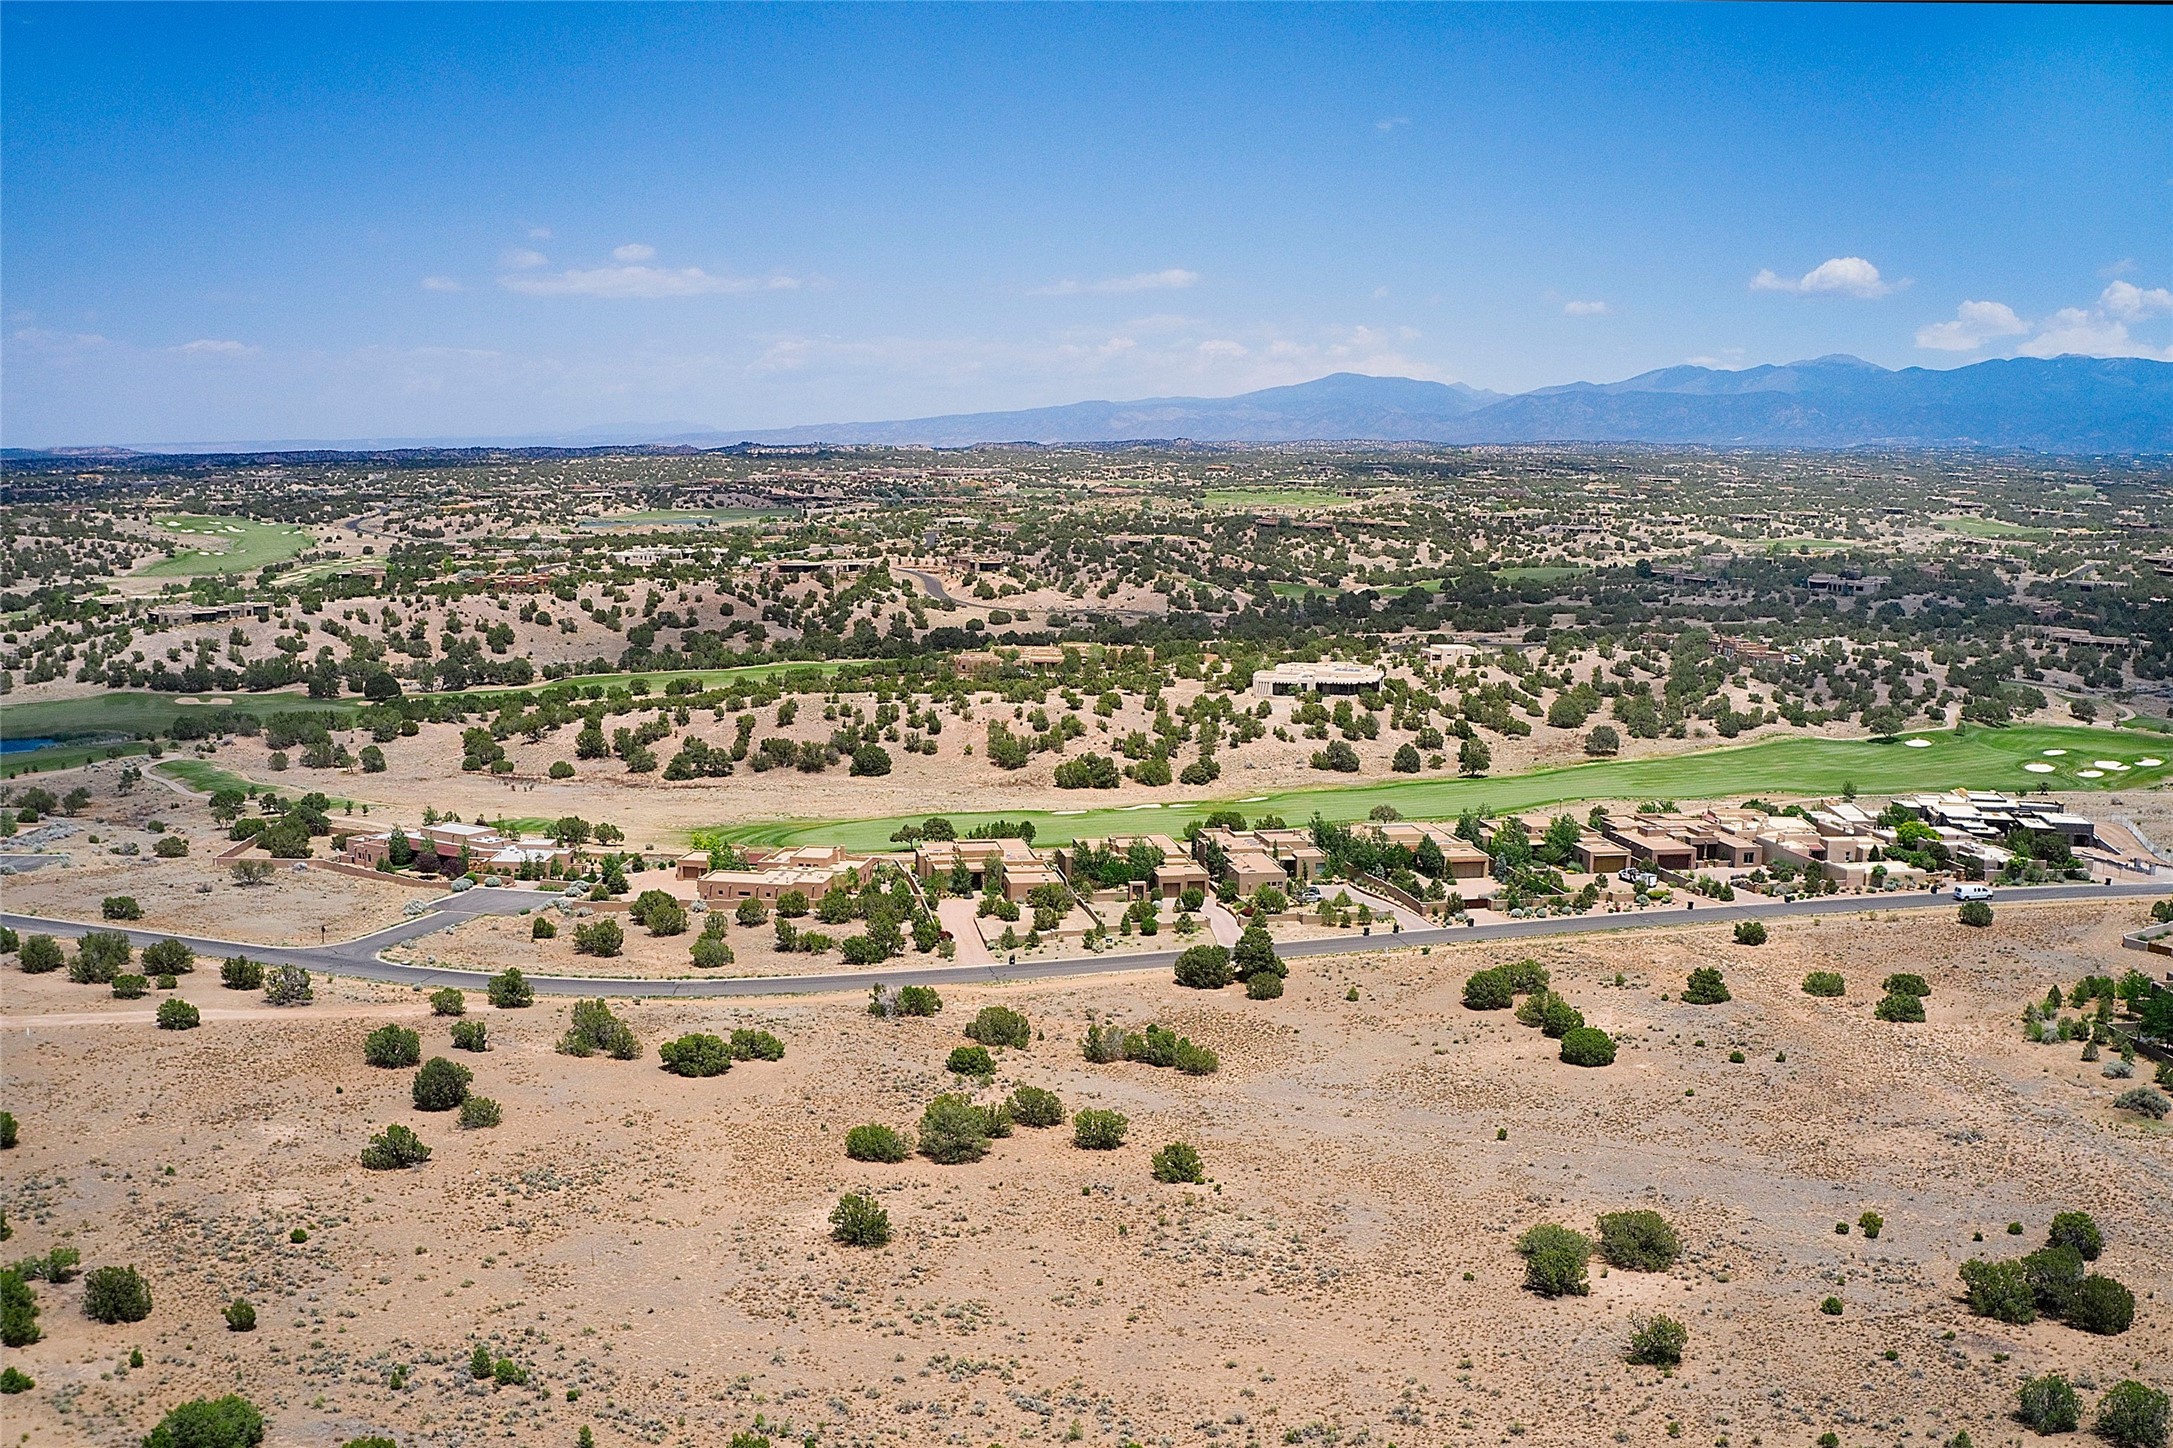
{"x": 120, "y": 907}
{"x": 1406, "y": 760}
{"x": 1338, "y": 757}
{"x": 1999, "y": 1290}
{"x": 1826, "y": 983}
{"x": 856, "y": 1221}
{"x": 1896, "y": 1006}
{"x": 240, "y": 1316}
{"x": 1705, "y": 988}
{"x": 1098, "y": 1130}
{"x": 1204, "y": 967}
{"x": 1905, "y": 983}
{"x": 248, "y": 873}
{"x": 1255, "y": 952}
{"x": 229, "y": 1422}
{"x": 1588, "y": 1046}
{"x": 953, "y": 1130}
{"x": 391, "y": 1046}
{"x": 287, "y": 985}
{"x": 509, "y": 990}
{"x": 876, "y": 1142}
{"x": 1602, "y": 741}
{"x": 115, "y": 1294}
{"x": 41, "y": 954}
{"x": 1658, "y": 1341}
{"x": 1035, "y": 1107}
{"x": 973, "y": 1061}
{"x": 696, "y": 1054}
{"x": 1639, "y": 1241}
{"x": 176, "y": 1014}
{"x": 18, "y": 1310}
{"x": 871, "y": 761}
{"x": 99, "y": 956}
{"x": 440, "y": 1085}
{"x": 1000, "y": 1026}
{"x": 1555, "y": 1260}
{"x": 1489, "y": 990}
{"x": 2048, "y": 1405}
{"x": 393, "y": 1148}
{"x": 2078, "y": 1230}
{"x": 2101, "y": 1305}
{"x": 1263, "y": 985}
{"x": 594, "y": 1029}
{"x": 1473, "y": 757}
{"x": 2131, "y": 1415}
{"x": 751, "y": 911}
{"x": 471, "y": 1035}
{"x": 603, "y": 936}
{"x": 1885, "y": 720}
{"x": 1179, "y": 1162}
{"x": 448, "y": 1001}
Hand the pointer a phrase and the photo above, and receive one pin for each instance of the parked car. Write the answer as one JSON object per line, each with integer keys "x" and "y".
{"x": 1964, "y": 890}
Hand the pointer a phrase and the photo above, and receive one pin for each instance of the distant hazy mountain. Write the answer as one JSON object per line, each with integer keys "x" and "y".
{"x": 2060, "y": 404}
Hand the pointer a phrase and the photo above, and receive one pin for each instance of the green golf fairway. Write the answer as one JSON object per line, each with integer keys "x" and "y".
{"x": 1968, "y": 758}
{"x": 239, "y": 545}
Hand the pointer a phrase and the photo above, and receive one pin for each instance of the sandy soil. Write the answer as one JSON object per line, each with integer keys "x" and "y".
{"x": 659, "y": 1246}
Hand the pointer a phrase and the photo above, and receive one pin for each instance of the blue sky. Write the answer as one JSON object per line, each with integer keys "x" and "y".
{"x": 281, "y": 222}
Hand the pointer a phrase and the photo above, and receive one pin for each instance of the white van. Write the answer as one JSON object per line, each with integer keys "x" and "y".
{"x": 1967, "y": 891}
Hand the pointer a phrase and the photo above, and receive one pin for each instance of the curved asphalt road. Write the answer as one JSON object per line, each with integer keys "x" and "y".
{"x": 360, "y": 957}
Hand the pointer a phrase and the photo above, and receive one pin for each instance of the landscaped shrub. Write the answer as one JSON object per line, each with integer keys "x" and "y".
{"x": 1099, "y": 1130}
{"x": 2145, "y": 1101}
{"x": 509, "y": 989}
{"x": 876, "y": 1142}
{"x": 228, "y": 1422}
{"x": 478, "y": 1113}
{"x": 1555, "y": 1259}
{"x": 1489, "y": 990}
{"x": 2000, "y": 1291}
{"x": 696, "y": 1054}
{"x": 1906, "y": 1009}
{"x": 1705, "y": 988}
{"x": 471, "y": 1036}
{"x": 440, "y": 1085}
{"x": 448, "y": 1002}
{"x": 1639, "y": 1241}
{"x": 287, "y": 985}
{"x": 973, "y": 1061}
{"x": 857, "y": 1221}
{"x": 168, "y": 957}
{"x": 595, "y": 1029}
{"x": 1975, "y": 912}
{"x": 1179, "y": 1162}
{"x": 2048, "y": 1405}
{"x": 130, "y": 987}
{"x": 240, "y": 1316}
{"x": 711, "y": 951}
{"x": 41, "y": 955}
{"x": 749, "y": 1044}
{"x": 1033, "y": 1106}
{"x": 99, "y": 956}
{"x": 1826, "y": 983}
{"x": 2078, "y": 1230}
{"x": 1588, "y": 1046}
{"x": 1204, "y": 967}
{"x": 2131, "y": 1415}
{"x": 1658, "y": 1341}
{"x": 239, "y": 972}
{"x": 394, "y": 1147}
{"x": 1263, "y": 985}
{"x": 2102, "y": 1306}
{"x": 392, "y": 1046}
{"x": 953, "y": 1130}
{"x": 1750, "y": 932}
{"x": 176, "y": 1014}
{"x": 1000, "y": 1026}
{"x": 116, "y": 1294}
{"x": 602, "y": 937}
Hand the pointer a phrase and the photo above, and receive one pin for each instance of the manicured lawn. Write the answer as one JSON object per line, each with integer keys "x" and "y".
{"x": 1538, "y": 573}
{"x": 1969, "y": 758}
{"x": 226, "y": 545}
{"x": 135, "y": 711}
{"x": 202, "y": 775}
{"x": 1992, "y": 528}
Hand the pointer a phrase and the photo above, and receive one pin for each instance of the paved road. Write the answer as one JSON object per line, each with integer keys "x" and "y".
{"x": 360, "y": 957}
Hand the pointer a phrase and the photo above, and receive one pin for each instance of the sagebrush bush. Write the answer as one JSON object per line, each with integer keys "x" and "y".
{"x": 1658, "y": 1341}
{"x": 287, "y": 985}
{"x": 857, "y": 1221}
{"x": 1098, "y": 1130}
{"x": 2131, "y": 1415}
{"x": 697, "y": 1054}
{"x": 1588, "y": 1046}
{"x": 2144, "y": 1101}
{"x": 392, "y": 1046}
{"x": 1036, "y": 1107}
{"x": 178, "y": 1015}
{"x": 1555, "y": 1260}
{"x": 876, "y": 1142}
{"x": 478, "y": 1113}
{"x": 750, "y": 1044}
{"x": 1000, "y": 1026}
{"x": 1826, "y": 983}
{"x": 1639, "y": 1241}
{"x": 448, "y": 1002}
{"x": 1705, "y": 988}
{"x": 1179, "y": 1162}
{"x": 1750, "y": 932}
{"x": 2048, "y": 1405}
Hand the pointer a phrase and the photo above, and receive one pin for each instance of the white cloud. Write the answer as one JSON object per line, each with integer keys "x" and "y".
{"x": 1586, "y": 309}
{"x": 1842, "y": 276}
{"x": 633, "y": 279}
{"x": 1169, "y": 278}
{"x": 1974, "y": 324}
{"x": 441, "y": 284}
{"x": 2131, "y": 303}
{"x": 1391, "y": 123}
{"x": 216, "y": 347}
{"x": 523, "y": 259}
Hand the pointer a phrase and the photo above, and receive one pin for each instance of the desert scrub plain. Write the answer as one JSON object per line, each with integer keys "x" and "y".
{"x": 652, "y": 1258}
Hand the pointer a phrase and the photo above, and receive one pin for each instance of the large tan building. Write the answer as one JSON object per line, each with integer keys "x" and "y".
{"x": 813, "y": 870}
{"x": 1013, "y": 861}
